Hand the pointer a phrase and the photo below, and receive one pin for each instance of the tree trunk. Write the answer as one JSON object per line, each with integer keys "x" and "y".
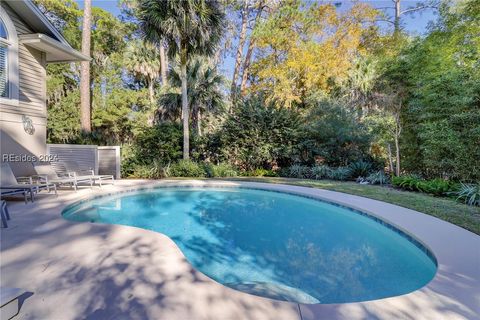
{"x": 398, "y": 130}
{"x": 166, "y": 61}
{"x": 163, "y": 65}
{"x": 398, "y": 13}
{"x": 246, "y": 67}
{"x": 85, "y": 112}
{"x": 151, "y": 93}
{"x": 248, "y": 57}
{"x": 397, "y": 151}
{"x": 390, "y": 160}
{"x": 241, "y": 43}
{"x": 199, "y": 123}
{"x": 185, "y": 112}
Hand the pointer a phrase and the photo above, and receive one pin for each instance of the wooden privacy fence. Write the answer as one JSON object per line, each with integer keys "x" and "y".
{"x": 103, "y": 160}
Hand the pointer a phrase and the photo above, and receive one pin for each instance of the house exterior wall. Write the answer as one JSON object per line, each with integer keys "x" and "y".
{"x": 31, "y": 103}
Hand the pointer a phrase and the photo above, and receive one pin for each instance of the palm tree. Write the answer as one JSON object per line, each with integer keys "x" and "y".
{"x": 358, "y": 87}
{"x": 143, "y": 60}
{"x": 130, "y": 10}
{"x": 204, "y": 92}
{"x": 189, "y": 27}
{"x": 85, "y": 117}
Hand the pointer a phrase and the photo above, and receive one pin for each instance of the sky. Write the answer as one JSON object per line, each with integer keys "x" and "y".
{"x": 415, "y": 24}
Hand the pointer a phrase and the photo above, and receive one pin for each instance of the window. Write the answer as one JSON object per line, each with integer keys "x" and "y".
{"x": 4, "y": 85}
{"x": 3, "y": 30}
{"x": 8, "y": 61}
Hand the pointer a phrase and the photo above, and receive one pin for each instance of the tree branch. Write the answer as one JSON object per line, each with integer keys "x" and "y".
{"x": 383, "y": 8}
{"x": 418, "y": 8}
{"x": 384, "y": 20}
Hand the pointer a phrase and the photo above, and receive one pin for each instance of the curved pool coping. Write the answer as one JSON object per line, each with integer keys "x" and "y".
{"x": 453, "y": 293}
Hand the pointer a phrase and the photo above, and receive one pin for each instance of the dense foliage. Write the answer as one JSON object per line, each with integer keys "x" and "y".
{"x": 333, "y": 135}
{"x": 256, "y": 135}
{"x": 442, "y": 113}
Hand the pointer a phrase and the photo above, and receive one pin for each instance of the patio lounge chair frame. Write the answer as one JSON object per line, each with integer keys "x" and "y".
{"x": 74, "y": 169}
{"x": 13, "y": 184}
{"x": 53, "y": 177}
{"x": 8, "y": 191}
{"x": 4, "y": 213}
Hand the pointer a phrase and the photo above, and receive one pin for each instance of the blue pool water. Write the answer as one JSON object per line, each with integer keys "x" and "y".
{"x": 272, "y": 244}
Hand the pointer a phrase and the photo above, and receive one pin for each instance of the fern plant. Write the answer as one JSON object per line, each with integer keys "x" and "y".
{"x": 438, "y": 187}
{"x": 409, "y": 182}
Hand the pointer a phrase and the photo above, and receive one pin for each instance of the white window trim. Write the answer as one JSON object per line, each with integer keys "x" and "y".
{"x": 12, "y": 56}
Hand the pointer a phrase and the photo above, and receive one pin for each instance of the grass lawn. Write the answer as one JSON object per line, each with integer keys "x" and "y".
{"x": 467, "y": 217}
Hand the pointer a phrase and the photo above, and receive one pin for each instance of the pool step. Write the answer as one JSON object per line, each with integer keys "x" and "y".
{"x": 9, "y": 302}
{"x": 274, "y": 291}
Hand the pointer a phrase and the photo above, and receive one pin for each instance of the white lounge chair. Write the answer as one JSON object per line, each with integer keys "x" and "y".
{"x": 46, "y": 173}
{"x": 73, "y": 166}
{"x": 10, "y": 183}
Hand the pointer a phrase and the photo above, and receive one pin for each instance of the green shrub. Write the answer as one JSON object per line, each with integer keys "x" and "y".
{"x": 332, "y": 131}
{"x": 408, "y": 182}
{"x": 299, "y": 171}
{"x": 259, "y": 172}
{"x": 161, "y": 144}
{"x": 320, "y": 172}
{"x": 220, "y": 170}
{"x": 360, "y": 169}
{"x": 284, "y": 172}
{"x": 340, "y": 173}
{"x": 439, "y": 187}
{"x": 139, "y": 171}
{"x": 469, "y": 193}
{"x": 269, "y": 173}
{"x": 186, "y": 168}
{"x": 152, "y": 171}
{"x": 378, "y": 177}
{"x": 256, "y": 135}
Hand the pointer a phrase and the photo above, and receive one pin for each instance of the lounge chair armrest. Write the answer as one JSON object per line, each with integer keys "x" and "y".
{"x": 40, "y": 178}
{"x": 72, "y": 174}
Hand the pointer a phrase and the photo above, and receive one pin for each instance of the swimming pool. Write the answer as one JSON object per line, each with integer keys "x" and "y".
{"x": 273, "y": 244}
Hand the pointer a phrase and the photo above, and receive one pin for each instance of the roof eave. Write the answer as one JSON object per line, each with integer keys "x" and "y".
{"x": 57, "y": 52}
{"x": 32, "y": 16}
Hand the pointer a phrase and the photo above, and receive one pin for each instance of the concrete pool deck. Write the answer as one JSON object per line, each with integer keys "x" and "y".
{"x": 94, "y": 271}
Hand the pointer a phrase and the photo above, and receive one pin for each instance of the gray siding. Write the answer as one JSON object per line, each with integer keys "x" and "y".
{"x": 32, "y": 73}
{"x": 32, "y": 103}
